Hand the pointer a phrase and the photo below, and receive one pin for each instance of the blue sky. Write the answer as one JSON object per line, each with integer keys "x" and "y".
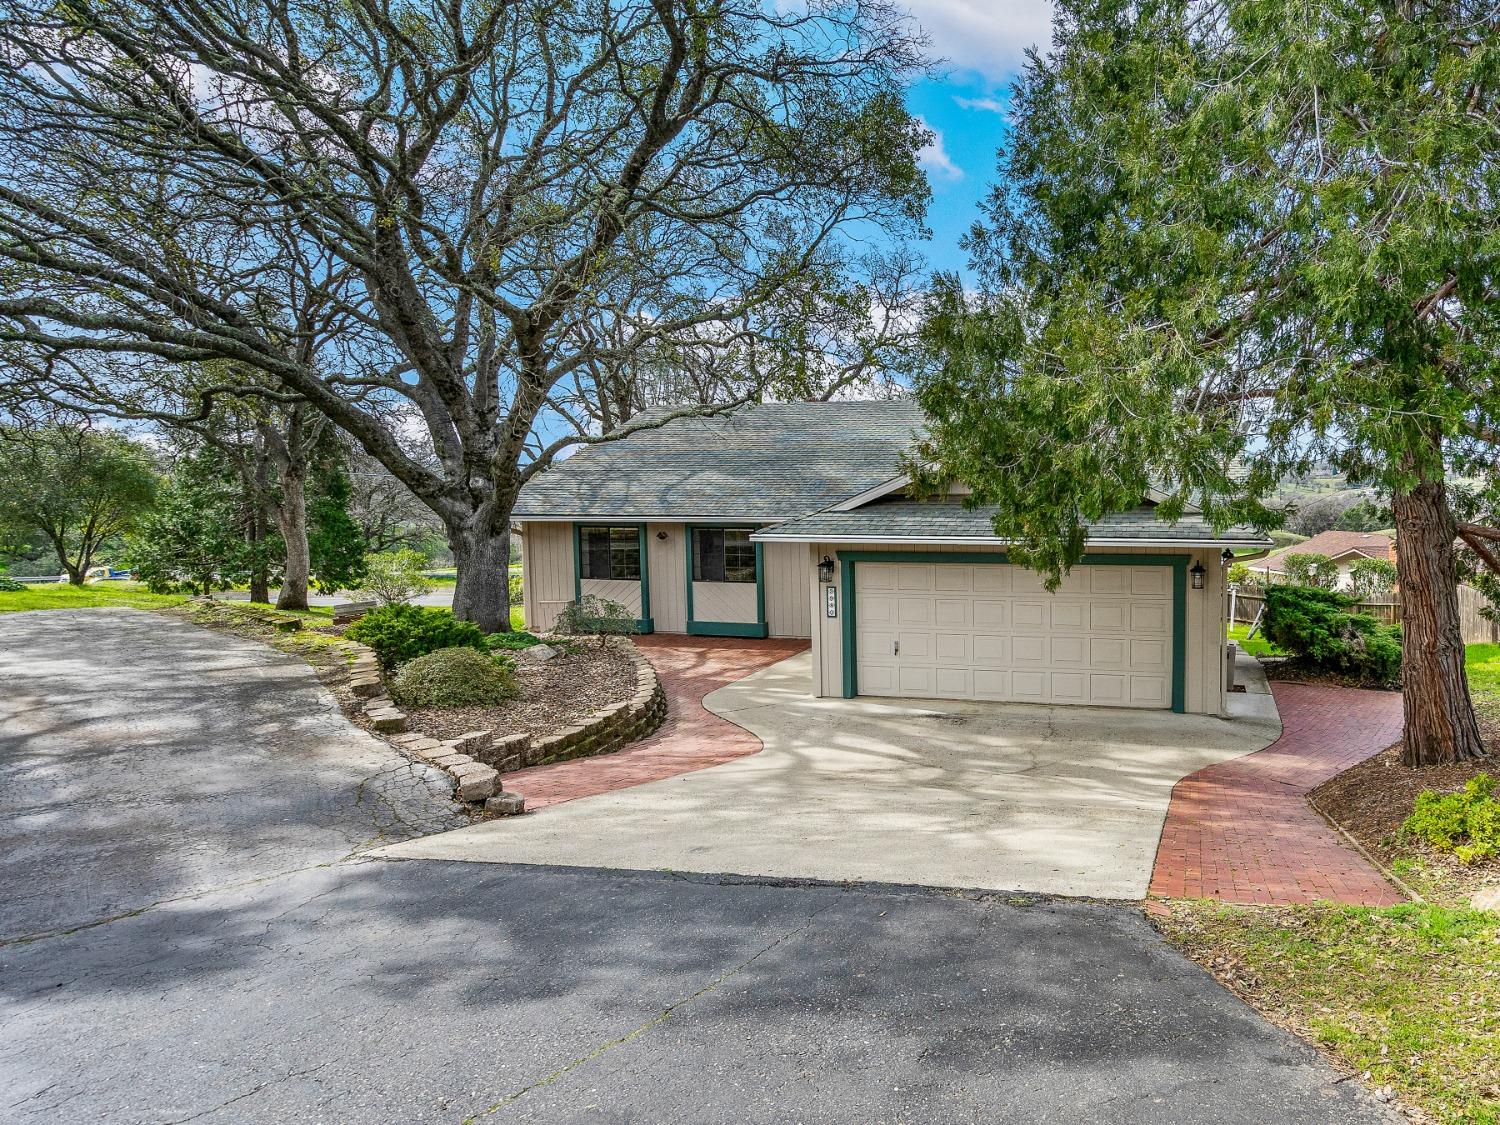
{"x": 982, "y": 42}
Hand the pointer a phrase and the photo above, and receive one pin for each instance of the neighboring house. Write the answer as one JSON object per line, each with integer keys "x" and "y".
{"x": 1343, "y": 547}
{"x": 793, "y": 520}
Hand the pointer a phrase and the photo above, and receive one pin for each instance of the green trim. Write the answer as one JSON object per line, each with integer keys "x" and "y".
{"x": 1178, "y": 563}
{"x": 756, "y": 628}
{"x": 726, "y": 629}
{"x": 643, "y": 623}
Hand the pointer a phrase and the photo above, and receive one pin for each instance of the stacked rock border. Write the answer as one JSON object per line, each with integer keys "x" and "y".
{"x": 476, "y": 760}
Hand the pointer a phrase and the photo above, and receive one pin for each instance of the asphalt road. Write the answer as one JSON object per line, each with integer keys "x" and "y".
{"x": 253, "y": 966}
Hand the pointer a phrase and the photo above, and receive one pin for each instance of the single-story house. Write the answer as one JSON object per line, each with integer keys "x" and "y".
{"x": 795, "y": 520}
{"x": 1343, "y": 547}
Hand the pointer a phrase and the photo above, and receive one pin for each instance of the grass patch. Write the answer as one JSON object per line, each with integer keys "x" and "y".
{"x": 1407, "y": 995}
{"x": 1256, "y": 645}
{"x": 61, "y": 595}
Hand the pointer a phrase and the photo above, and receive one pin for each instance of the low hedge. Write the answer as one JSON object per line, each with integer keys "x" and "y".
{"x": 402, "y": 632}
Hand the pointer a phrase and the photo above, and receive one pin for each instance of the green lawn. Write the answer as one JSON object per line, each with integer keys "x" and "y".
{"x": 1409, "y": 994}
{"x": 60, "y": 595}
{"x": 1256, "y": 645}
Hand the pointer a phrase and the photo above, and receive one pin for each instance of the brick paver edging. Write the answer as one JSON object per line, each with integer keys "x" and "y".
{"x": 1243, "y": 831}
{"x": 691, "y": 737}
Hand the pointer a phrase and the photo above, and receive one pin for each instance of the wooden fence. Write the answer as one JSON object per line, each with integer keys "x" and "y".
{"x": 1477, "y": 629}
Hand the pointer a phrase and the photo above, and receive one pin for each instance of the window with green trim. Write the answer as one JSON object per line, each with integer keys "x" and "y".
{"x": 723, "y": 554}
{"x": 611, "y": 553}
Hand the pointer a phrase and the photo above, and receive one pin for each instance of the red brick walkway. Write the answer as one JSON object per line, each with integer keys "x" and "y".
{"x": 689, "y": 739}
{"x": 1242, "y": 831}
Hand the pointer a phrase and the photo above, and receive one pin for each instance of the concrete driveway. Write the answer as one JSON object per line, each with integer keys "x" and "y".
{"x": 1056, "y": 800}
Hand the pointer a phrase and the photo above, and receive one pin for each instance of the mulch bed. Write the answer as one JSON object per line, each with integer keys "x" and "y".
{"x": 1370, "y": 801}
{"x": 554, "y": 696}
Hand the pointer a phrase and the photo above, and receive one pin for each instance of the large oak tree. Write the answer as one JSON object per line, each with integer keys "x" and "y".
{"x": 488, "y": 201}
{"x": 1230, "y": 238}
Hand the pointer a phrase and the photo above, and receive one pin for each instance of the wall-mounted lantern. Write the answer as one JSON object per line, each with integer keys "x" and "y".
{"x": 826, "y": 569}
{"x": 1227, "y": 557}
{"x": 661, "y": 535}
{"x": 1197, "y": 573}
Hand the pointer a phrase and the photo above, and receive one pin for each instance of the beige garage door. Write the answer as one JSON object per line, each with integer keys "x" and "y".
{"x": 962, "y": 631}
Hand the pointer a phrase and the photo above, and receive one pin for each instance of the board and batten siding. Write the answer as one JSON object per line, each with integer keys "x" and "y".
{"x": 1206, "y": 608}
{"x": 788, "y": 572}
{"x": 668, "y": 587}
{"x": 546, "y": 572}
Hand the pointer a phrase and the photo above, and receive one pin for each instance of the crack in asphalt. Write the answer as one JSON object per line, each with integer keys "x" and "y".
{"x": 250, "y": 1093}
{"x": 655, "y": 1021}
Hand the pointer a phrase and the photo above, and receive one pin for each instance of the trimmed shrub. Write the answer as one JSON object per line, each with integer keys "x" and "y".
{"x": 1316, "y": 627}
{"x": 1466, "y": 823}
{"x": 401, "y": 632}
{"x": 453, "y": 677}
{"x": 1372, "y": 578}
{"x": 9, "y": 585}
{"x": 595, "y": 616}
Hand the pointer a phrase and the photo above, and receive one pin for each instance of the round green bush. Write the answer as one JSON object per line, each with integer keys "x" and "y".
{"x": 453, "y": 677}
{"x": 402, "y": 632}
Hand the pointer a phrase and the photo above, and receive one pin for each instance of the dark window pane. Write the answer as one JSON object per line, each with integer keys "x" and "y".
{"x": 610, "y": 553}
{"x": 708, "y": 555}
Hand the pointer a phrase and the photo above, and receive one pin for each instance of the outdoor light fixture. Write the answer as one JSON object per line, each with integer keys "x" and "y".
{"x": 1197, "y": 572}
{"x": 1227, "y": 557}
{"x": 661, "y": 534}
{"x": 826, "y": 569}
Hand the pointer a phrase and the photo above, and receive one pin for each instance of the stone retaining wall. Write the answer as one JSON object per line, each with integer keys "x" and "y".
{"x": 476, "y": 759}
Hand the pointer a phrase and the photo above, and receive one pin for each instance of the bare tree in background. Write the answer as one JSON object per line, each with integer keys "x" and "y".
{"x": 486, "y": 201}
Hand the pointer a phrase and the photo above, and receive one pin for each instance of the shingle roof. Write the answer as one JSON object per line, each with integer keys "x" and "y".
{"x": 768, "y": 462}
{"x": 1369, "y": 544}
{"x": 948, "y": 519}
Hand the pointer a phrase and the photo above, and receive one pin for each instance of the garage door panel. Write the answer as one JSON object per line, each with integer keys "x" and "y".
{"x": 955, "y": 648}
{"x": 916, "y": 645}
{"x": 1069, "y": 650}
{"x": 953, "y": 683}
{"x": 953, "y": 611}
{"x": 1109, "y": 580}
{"x": 910, "y": 577}
{"x": 1145, "y": 580}
{"x": 990, "y": 614}
{"x": 1068, "y": 615}
{"x": 1148, "y": 617}
{"x": 914, "y": 611}
{"x": 1148, "y": 691}
{"x": 991, "y": 651}
{"x": 953, "y": 579}
{"x": 992, "y": 580}
{"x": 1028, "y": 614}
{"x": 954, "y": 631}
{"x": 915, "y": 680}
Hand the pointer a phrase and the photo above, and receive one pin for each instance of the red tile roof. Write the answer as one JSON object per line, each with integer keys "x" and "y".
{"x": 1334, "y": 544}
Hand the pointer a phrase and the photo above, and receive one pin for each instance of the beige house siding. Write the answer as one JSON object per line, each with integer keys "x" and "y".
{"x": 787, "y": 575}
{"x": 627, "y": 592}
{"x": 546, "y": 571}
{"x": 1203, "y": 681}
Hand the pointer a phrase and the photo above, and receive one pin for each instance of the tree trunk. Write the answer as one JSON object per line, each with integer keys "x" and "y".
{"x": 260, "y": 581}
{"x": 1440, "y": 726}
{"x": 292, "y": 518}
{"x": 482, "y": 593}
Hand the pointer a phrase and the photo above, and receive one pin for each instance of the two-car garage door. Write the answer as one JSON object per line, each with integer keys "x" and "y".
{"x": 966, "y": 631}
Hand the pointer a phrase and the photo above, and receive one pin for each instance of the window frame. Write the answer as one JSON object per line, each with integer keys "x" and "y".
{"x": 702, "y": 571}
{"x": 619, "y": 539}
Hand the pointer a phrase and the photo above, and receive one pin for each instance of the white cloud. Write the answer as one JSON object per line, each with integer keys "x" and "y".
{"x": 987, "y": 105}
{"x": 934, "y": 157}
{"x": 987, "y": 36}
